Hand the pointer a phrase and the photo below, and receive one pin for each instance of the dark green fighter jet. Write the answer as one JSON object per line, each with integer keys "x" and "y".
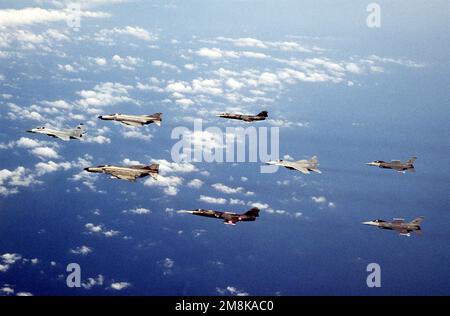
{"x": 228, "y": 218}
{"x": 397, "y": 165}
{"x": 399, "y": 225}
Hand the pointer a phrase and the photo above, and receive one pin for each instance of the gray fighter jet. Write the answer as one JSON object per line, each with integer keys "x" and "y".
{"x": 228, "y": 218}
{"x": 304, "y": 166}
{"x": 395, "y": 164}
{"x": 133, "y": 120}
{"x": 246, "y": 118}
{"x": 399, "y": 225}
{"x": 74, "y": 133}
{"x": 130, "y": 173}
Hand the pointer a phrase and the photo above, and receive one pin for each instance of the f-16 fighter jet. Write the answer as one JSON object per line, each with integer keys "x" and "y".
{"x": 247, "y": 118}
{"x": 133, "y": 120}
{"x": 399, "y": 225}
{"x": 74, "y": 133}
{"x": 304, "y": 166}
{"x": 395, "y": 164}
{"x": 130, "y": 173}
{"x": 228, "y": 218}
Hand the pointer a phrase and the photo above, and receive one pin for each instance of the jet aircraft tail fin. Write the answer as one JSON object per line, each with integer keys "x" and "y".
{"x": 157, "y": 117}
{"x": 254, "y": 211}
{"x": 263, "y": 114}
{"x": 153, "y": 167}
{"x": 417, "y": 221}
{"x": 411, "y": 160}
{"x": 79, "y": 131}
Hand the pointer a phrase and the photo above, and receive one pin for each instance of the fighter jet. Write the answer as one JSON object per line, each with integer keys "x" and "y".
{"x": 398, "y": 224}
{"x": 74, "y": 133}
{"x": 133, "y": 120}
{"x": 395, "y": 164}
{"x": 228, "y": 218}
{"x": 130, "y": 173}
{"x": 304, "y": 166}
{"x": 246, "y": 118}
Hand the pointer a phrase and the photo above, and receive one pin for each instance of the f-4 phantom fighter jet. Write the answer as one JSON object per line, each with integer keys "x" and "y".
{"x": 246, "y": 118}
{"x": 133, "y": 120}
{"x": 304, "y": 166}
{"x": 399, "y": 225}
{"x": 130, "y": 173}
{"x": 395, "y": 164}
{"x": 74, "y": 133}
{"x": 228, "y": 218}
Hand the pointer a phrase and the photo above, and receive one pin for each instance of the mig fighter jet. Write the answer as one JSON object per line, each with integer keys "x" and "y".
{"x": 395, "y": 164}
{"x": 130, "y": 173}
{"x": 398, "y": 225}
{"x": 246, "y": 118}
{"x": 133, "y": 120}
{"x": 74, "y": 133}
{"x": 228, "y": 218}
{"x": 304, "y": 166}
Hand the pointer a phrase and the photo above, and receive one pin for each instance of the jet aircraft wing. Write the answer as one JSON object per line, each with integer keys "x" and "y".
{"x": 124, "y": 176}
{"x": 301, "y": 169}
{"x": 60, "y": 136}
{"x": 131, "y": 123}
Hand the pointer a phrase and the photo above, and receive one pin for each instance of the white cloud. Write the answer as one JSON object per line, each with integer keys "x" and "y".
{"x": 137, "y": 134}
{"x": 100, "y": 229}
{"x": 139, "y": 211}
{"x": 195, "y": 183}
{"x": 29, "y": 16}
{"x": 231, "y": 290}
{"x": 162, "y": 64}
{"x": 8, "y": 259}
{"x": 91, "y": 282}
{"x": 104, "y": 94}
{"x": 19, "y": 177}
{"x": 105, "y": 35}
{"x": 319, "y": 199}
{"x": 226, "y": 189}
{"x": 82, "y": 250}
{"x": 119, "y": 286}
{"x": 212, "y": 200}
{"x": 45, "y": 152}
{"x": 234, "y": 84}
{"x": 50, "y": 166}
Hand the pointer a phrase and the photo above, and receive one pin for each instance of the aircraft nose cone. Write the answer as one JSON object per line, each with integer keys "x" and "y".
{"x": 367, "y": 223}
{"x": 86, "y": 169}
{"x": 100, "y": 116}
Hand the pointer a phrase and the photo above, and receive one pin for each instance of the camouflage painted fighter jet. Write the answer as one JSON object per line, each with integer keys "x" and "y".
{"x": 304, "y": 166}
{"x": 228, "y": 218}
{"x": 395, "y": 164}
{"x": 68, "y": 134}
{"x": 399, "y": 225}
{"x": 246, "y": 118}
{"x": 133, "y": 120}
{"x": 130, "y": 173}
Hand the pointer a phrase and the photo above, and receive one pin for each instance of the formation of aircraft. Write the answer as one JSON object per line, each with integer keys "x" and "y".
{"x": 396, "y": 165}
{"x": 133, "y": 120}
{"x": 304, "y": 166}
{"x": 244, "y": 117}
{"x": 66, "y": 134}
{"x": 132, "y": 173}
{"x": 227, "y": 217}
{"x": 399, "y": 225}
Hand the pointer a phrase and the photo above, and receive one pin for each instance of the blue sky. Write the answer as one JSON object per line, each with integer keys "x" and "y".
{"x": 336, "y": 88}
